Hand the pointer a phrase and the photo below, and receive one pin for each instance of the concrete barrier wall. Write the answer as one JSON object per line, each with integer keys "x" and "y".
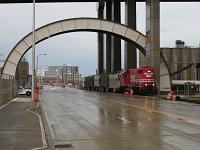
{"x": 8, "y": 90}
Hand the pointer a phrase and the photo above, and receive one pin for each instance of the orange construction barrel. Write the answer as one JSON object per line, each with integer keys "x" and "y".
{"x": 36, "y": 94}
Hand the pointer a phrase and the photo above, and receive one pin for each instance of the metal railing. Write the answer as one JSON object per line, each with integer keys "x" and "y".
{"x": 8, "y": 89}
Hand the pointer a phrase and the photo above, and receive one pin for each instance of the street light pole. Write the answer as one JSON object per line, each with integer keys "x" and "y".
{"x": 37, "y": 66}
{"x": 37, "y": 61}
{"x": 33, "y": 57}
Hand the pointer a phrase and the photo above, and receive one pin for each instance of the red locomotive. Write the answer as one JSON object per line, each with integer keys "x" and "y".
{"x": 140, "y": 80}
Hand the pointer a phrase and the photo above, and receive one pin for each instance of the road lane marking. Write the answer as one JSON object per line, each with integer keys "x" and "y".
{"x": 191, "y": 121}
{"x": 40, "y": 148}
{"x": 124, "y": 120}
{"x": 186, "y": 119}
{"x": 5, "y": 104}
{"x": 44, "y": 142}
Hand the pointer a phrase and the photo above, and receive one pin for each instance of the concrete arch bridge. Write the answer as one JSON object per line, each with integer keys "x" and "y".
{"x": 76, "y": 25}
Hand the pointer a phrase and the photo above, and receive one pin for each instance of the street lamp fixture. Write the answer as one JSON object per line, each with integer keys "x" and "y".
{"x": 38, "y": 59}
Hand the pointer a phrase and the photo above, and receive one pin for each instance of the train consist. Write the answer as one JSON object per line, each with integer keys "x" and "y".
{"x": 140, "y": 80}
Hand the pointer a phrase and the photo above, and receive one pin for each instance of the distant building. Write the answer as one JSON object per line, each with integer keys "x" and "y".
{"x": 183, "y": 60}
{"x": 72, "y": 78}
{"x": 41, "y": 72}
{"x": 61, "y": 70}
{"x": 180, "y": 58}
{"x": 22, "y": 73}
{"x": 52, "y": 71}
{"x": 48, "y": 80}
{"x": 62, "y": 74}
{"x": 69, "y": 78}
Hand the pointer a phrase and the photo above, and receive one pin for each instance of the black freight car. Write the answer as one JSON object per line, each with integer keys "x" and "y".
{"x": 89, "y": 82}
{"x": 104, "y": 82}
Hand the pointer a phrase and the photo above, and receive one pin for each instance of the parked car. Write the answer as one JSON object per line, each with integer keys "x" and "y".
{"x": 24, "y": 91}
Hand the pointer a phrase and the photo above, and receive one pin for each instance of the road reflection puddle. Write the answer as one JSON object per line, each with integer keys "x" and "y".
{"x": 149, "y": 105}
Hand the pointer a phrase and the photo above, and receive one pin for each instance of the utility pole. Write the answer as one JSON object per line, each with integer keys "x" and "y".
{"x": 33, "y": 57}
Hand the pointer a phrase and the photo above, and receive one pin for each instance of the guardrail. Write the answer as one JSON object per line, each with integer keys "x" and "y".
{"x": 8, "y": 89}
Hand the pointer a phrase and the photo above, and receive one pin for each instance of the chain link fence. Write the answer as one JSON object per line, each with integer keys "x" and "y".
{"x": 8, "y": 89}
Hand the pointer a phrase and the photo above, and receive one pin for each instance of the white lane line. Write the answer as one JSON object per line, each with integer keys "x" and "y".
{"x": 40, "y": 148}
{"x": 193, "y": 122}
{"x": 5, "y": 104}
{"x": 124, "y": 120}
{"x": 44, "y": 142}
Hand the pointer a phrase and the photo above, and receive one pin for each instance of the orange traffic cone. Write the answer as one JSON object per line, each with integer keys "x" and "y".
{"x": 131, "y": 92}
{"x": 169, "y": 96}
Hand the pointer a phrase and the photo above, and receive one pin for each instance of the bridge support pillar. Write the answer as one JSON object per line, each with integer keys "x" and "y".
{"x": 153, "y": 35}
{"x": 100, "y": 39}
{"x": 130, "y": 53}
{"x": 108, "y": 37}
{"x": 116, "y": 42}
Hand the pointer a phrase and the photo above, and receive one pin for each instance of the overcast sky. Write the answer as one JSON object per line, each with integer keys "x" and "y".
{"x": 178, "y": 21}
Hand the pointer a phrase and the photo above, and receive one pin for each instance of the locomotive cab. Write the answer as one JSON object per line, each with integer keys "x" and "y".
{"x": 141, "y": 80}
{"x": 147, "y": 84}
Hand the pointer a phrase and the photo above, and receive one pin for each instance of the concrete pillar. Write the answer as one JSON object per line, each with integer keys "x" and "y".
{"x": 100, "y": 10}
{"x": 153, "y": 35}
{"x": 108, "y": 37}
{"x": 130, "y": 53}
{"x": 116, "y": 42}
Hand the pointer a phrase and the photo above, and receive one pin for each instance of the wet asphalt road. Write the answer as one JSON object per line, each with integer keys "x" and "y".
{"x": 107, "y": 121}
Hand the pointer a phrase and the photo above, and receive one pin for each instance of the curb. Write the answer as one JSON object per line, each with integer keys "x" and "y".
{"x": 44, "y": 139}
{"x": 49, "y": 138}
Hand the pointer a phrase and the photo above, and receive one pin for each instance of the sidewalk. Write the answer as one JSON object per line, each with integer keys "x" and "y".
{"x": 19, "y": 128}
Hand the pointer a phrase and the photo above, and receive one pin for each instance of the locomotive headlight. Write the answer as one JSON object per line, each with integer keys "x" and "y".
{"x": 153, "y": 84}
{"x": 145, "y": 84}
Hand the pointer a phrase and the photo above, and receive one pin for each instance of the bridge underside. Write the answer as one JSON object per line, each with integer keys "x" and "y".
{"x": 47, "y": 1}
